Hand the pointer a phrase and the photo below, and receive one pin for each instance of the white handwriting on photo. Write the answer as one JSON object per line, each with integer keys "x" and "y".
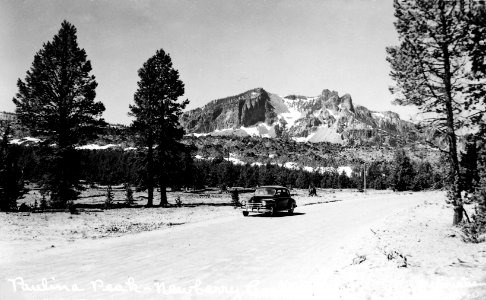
{"x": 129, "y": 286}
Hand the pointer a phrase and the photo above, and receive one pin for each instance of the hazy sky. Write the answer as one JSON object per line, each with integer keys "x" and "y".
{"x": 220, "y": 47}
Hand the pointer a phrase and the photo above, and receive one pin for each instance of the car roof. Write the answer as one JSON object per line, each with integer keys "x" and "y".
{"x": 271, "y": 187}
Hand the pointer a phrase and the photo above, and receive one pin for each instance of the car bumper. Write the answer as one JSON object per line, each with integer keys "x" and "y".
{"x": 257, "y": 208}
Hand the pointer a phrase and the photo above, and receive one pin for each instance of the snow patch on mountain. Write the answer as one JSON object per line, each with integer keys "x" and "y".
{"x": 233, "y": 158}
{"x": 25, "y": 140}
{"x": 346, "y": 169}
{"x": 333, "y": 113}
{"x": 261, "y": 129}
{"x": 323, "y": 133}
{"x": 377, "y": 114}
{"x": 197, "y": 134}
{"x": 291, "y": 117}
{"x": 96, "y": 147}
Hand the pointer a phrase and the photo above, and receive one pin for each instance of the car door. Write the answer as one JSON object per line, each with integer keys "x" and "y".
{"x": 283, "y": 199}
{"x": 290, "y": 201}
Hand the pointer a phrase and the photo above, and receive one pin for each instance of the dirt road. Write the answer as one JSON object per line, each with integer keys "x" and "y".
{"x": 228, "y": 258}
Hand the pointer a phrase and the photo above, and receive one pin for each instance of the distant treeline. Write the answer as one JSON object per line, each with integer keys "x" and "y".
{"x": 116, "y": 166}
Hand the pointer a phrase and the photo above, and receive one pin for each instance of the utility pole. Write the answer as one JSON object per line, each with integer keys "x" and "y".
{"x": 364, "y": 177}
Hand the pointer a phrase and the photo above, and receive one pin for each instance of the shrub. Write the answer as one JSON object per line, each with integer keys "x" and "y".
{"x": 43, "y": 202}
{"x": 475, "y": 232}
{"x": 24, "y": 208}
{"x": 178, "y": 201}
{"x": 72, "y": 207}
{"x": 235, "y": 198}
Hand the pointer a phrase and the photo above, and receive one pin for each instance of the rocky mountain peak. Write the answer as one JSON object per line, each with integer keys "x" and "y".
{"x": 347, "y": 102}
{"x": 327, "y": 94}
{"x": 326, "y": 117}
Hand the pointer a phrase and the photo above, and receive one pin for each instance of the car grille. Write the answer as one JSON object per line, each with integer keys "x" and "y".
{"x": 253, "y": 205}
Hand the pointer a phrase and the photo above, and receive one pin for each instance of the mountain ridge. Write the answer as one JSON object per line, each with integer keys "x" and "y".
{"x": 327, "y": 117}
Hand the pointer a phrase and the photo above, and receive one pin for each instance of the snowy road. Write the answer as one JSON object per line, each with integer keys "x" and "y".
{"x": 228, "y": 258}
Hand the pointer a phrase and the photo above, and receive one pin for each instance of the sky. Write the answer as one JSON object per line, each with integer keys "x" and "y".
{"x": 220, "y": 47}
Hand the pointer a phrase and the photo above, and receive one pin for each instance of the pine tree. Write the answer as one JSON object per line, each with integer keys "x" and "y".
{"x": 476, "y": 102}
{"x": 402, "y": 175}
{"x": 476, "y": 88}
{"x": 343, "y": 180}
{"x": 423, "y": 177}
{"x": 56, "y": 103}
{"x": 430, "y": 68}
{"x": 302, "y": 180}
{"x": 156, "y": 113}
{"x": 11, "y": 179}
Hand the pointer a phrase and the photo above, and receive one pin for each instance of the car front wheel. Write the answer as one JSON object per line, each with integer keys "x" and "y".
{"x": 245, "y": 213}
{"x": 291, "y": 210}
{"x": 272, "y": 211}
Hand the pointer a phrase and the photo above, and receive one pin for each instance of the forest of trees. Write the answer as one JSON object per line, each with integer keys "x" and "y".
{"x": 117, "y": 166}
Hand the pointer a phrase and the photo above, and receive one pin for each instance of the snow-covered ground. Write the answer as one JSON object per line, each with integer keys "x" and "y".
{"x": 336, "y": 250}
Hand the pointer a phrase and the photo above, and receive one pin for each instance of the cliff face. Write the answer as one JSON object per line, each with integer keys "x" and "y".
{"x": 245, "y": 109}
{"x": 326, "y": 117}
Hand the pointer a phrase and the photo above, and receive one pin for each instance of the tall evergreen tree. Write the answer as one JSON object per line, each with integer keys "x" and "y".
{"x": 56, "y": 103}
{"x": 11, "y": 179}
{"x": 343, "y": 180}
{"x": 402, "y": 174}
{"x": 476, "y": 88}
{"x": 156, "y": 113}
{"x": 477, "y": 101}
{"x": 430, "y": 69}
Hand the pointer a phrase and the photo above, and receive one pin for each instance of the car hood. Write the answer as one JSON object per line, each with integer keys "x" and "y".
{"x": 259, "y": 198}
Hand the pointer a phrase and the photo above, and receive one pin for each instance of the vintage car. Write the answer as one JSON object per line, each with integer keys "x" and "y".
{"x": 270, "y": 199}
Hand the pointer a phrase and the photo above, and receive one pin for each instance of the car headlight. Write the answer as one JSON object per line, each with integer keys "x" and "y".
{"x": 264, "y": 203}
{"x": 243, "y": 203}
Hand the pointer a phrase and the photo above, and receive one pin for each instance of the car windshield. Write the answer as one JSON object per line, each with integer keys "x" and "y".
{"x": 265, "y": 191}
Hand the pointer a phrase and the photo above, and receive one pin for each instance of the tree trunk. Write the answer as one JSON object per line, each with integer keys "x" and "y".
{"x": 61, "y": 177}
{"x": 163, "y": 193}
{"x": 458, "y": 213}
{"x": 455, "y": 193}
{"x": 162, "y": 175}
{"x": 150, "y": 175}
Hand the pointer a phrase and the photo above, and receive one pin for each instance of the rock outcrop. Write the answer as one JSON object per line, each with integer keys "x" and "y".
{"x": 246, "y": 109}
